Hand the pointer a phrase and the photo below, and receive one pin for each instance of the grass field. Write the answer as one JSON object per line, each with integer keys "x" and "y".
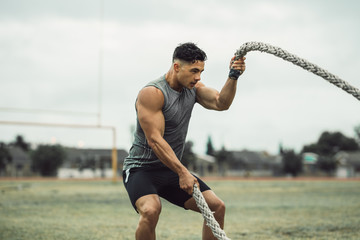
{"x": 256, "y": 209}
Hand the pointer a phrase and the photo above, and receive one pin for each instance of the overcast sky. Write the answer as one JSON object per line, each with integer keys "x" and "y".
{"x": 50, "y": 58}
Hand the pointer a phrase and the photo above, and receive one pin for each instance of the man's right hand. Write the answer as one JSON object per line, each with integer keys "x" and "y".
{"x": 187, "y": 181}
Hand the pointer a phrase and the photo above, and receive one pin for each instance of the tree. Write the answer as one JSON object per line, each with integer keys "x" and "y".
{"x": 20, "y": 142}
{"x": 188, "y": 154}
{"x": 330, "y": 143}
{"x": 326, "y": 163}
{"x": 5, "y": 156}
{"x": 46, "y": 159}
{"x": 292, "y": 163}
{"x": 209, "y": 147}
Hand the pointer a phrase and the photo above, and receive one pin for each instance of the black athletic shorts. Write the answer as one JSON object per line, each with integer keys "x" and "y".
{"x": 156, "y": 180}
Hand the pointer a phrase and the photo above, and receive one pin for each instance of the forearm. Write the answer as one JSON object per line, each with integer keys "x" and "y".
{"x": 166, "y": 155}
{"x": 212, "y": 99}
{"x": 227, "y": 94}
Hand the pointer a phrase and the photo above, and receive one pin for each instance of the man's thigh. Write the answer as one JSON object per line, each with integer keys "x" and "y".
{"x": 174, "y": 194}
{"x": 138, "y": 184}
{"x": 160, "y": 181}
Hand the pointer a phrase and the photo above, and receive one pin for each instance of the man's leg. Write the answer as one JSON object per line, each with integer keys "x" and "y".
{"x": 149, "y": 208}
{"x": 216, "y": 205}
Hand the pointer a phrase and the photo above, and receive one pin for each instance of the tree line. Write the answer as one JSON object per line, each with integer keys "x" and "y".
{"x": 326, "y": 147}
{"x": 45, "y": 159}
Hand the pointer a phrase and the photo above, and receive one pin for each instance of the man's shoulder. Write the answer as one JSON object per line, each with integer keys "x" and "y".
{"x": 150, "y": 96}
{"x": 150, "y": 90}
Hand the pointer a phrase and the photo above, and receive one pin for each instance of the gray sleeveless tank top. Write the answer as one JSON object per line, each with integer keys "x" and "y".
{"x": 177, "y": 112}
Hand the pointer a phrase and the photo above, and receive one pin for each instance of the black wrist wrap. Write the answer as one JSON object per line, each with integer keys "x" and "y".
{"x": 234, "y": 74}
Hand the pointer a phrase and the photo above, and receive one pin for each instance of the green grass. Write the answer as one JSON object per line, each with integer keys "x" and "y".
{"x": 272, "y": 209}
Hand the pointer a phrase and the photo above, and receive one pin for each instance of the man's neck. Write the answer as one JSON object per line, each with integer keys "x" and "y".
{"x": 172, "y": 81}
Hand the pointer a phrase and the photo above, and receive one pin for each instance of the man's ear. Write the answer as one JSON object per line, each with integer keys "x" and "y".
{"x": 177, "y": 66}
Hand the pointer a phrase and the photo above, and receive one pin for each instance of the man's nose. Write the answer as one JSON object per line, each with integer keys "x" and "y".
{"x": 198, "y": 77}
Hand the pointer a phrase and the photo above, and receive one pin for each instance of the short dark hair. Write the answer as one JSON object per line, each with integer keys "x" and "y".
{"x": 189, "y": 52}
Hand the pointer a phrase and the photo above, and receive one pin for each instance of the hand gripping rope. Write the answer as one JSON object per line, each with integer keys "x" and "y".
{"x": 263, "y": 47}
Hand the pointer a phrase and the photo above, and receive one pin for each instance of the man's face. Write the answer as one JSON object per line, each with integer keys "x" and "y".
{"x": 189, "y": 73}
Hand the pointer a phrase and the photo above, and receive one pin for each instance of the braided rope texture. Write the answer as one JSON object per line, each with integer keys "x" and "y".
{"x": 208, "y": 215}
{"x": 263, "y": 47}
{"x": 276, "y": 51}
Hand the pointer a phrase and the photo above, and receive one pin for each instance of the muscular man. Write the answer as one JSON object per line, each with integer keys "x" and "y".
{"x": 153, "y": 168}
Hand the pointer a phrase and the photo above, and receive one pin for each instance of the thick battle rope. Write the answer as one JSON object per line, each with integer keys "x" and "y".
{"x": 208, "y": 215}
{"x": 263, "y": 47}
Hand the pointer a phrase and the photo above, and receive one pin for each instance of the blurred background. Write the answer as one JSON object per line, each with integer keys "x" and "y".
{"x": 83, "y": 62}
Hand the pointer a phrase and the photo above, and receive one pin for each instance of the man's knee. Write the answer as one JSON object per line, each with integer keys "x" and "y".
{"x": 149, "y": 208}
{"x": 220, "y": 208}
{"x": 150, "y": 213}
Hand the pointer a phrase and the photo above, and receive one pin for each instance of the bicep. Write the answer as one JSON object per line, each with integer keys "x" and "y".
{"x": 207, "y": 97}
{"x": 152, "y": 123}
{"x": 149, "y": 110}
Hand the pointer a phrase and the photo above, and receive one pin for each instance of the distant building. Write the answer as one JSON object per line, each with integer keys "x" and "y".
{"x": 88, "y": 163}
{"x": 204, "y": 165}
{"x": 253, "y": 163}
{"x": 20, "y": 165}
{"x": 309, "y": 161}
{"x": 348, "y": 164}
{"x": 79, "y": 163}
